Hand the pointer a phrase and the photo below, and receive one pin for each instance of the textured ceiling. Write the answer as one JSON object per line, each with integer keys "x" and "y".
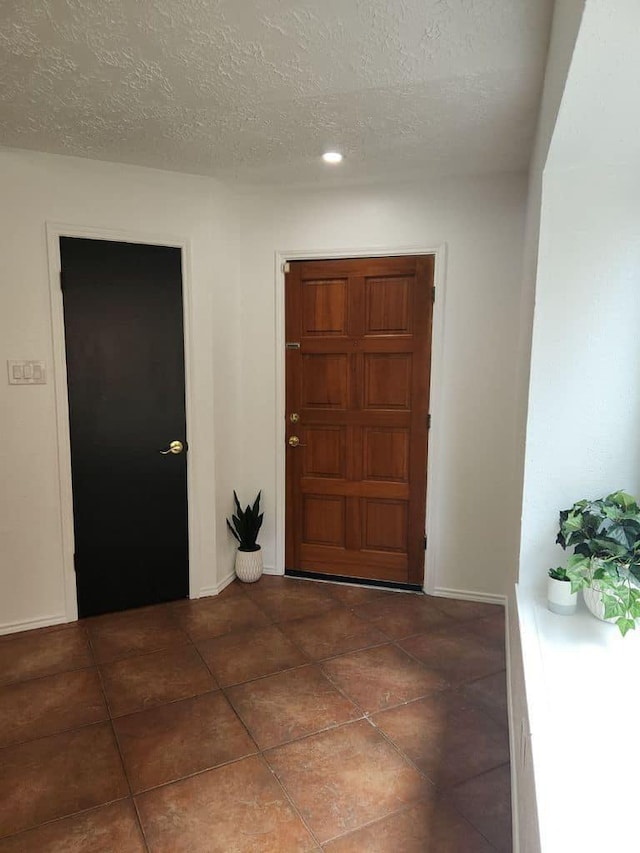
{"x": 257, "y": 89}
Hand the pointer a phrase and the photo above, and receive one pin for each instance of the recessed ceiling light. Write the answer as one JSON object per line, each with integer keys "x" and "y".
{"x": 332, "y": 157}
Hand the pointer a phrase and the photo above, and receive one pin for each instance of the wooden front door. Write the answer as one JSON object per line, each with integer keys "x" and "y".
{"x": 358, "y": 362}
{"x": 125, "y": 376}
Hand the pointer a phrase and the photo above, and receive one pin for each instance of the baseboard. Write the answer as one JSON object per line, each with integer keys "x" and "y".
{"x": 512, "y": 729}
{"x": 470, "y": 595}
{"x": 32, "y": 624}
{"x": 441, "y": 591}
{"x": 217, "y": 589}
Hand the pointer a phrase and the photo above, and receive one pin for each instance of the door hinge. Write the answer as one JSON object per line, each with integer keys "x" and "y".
{"x": 429, "y": 421}
{"x": 286, "y": 267}
{"x": 425, "y": 541}
{"x": 61, "y": 280}
{"x": 433, "y": 293}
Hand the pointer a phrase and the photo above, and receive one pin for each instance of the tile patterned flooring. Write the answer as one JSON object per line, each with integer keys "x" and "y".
{"x": 281, "y": 716}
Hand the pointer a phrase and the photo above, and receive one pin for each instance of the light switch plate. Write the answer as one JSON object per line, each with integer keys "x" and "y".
{"x": 26, "y": 373}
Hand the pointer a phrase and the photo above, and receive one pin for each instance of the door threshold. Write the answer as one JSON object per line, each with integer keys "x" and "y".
{"x": 345, "y": 579}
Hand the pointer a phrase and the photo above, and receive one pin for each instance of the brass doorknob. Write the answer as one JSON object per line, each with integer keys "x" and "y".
{"x": 175, "y": 447}
{"x": 294, "y": 441}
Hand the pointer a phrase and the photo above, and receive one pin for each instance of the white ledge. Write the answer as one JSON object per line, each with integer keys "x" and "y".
{"x": 583, "y": 696}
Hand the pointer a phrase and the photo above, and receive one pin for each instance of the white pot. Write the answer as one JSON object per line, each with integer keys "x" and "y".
{"x": 593, "y": 599}
{"x": 249, "y": 565}
{"x": 560, "y": 599}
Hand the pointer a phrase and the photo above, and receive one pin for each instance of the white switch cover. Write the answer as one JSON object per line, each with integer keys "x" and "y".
{"x": 26, "y": 373}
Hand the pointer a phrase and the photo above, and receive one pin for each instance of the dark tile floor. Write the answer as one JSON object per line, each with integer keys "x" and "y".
{"x": 281, "y": 716}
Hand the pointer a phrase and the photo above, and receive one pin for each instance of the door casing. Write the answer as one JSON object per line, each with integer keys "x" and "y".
{"x": 54, "y": 231}
{"x": 437, "y": 346}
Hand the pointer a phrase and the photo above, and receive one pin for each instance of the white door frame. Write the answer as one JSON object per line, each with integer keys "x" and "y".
{"x": 54, "y": 231}
{"x": 435, "y": 394}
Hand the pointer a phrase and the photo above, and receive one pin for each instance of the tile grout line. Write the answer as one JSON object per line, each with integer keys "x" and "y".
{"x": 56, "y": 733}
{"x": 138, "y": 654}
{"x": 63, "y": 817}
{"x": 397, "y": 642}
{"x": 47, "y": 675}
{"x": 93, "y": 666}
{"x": 260, "y": 750}
{"x": 404, "y": 808}
{"x": 367, "y": 716}
{"x": 396, "y": 749}
{"x": 230, "y": 703}
{"x": 318, "y": 664}
{"x": 259, "y": 753}
{"x": 389, "y": 707}
{"x": 187, "y": 642}
{"x": 170, "y": 782}
{"x": 107, "y": 720}
{"x": 117, "y": 743}
{"x": 289, "y": 798}
{"x": 131, "y": 795}
{"x": 442, "y": 789}
{"x": 468, "y": 820}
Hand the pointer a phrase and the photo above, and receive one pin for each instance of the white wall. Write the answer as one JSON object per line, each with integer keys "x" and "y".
{"x": 36, "y": 188}
{"x": 233, "y": 238}
{"x": 584, "y": 399}
{"x": 566, "y": 24}
{"x": 584, "y": 404}
{"x": 481, "y": 221}
{"x": 598, "y": 123}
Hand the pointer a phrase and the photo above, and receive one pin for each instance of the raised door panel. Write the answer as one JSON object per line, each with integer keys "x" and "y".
{"x": 324, "y": 307}
{"x": 325, "y": 381}
{"x": 386, "y": 454}
{"x": 387, "y": 303}
{"x": 323, "y": 520}
{"x": 384, "y": 525}
{"x": 387, "y": 380}
{"x": 325, "y": 453}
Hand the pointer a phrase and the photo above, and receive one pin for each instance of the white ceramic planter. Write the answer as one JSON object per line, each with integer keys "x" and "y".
{"x": 249, "y": 565}
{"x": 593, "y": 599}
{"x": 560, "y": 599}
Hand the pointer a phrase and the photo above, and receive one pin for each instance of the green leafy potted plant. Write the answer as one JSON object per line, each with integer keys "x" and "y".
{"x": 560, "y": 597}
{"x": 605, "y": 536}
{"x": 245, "y": 526}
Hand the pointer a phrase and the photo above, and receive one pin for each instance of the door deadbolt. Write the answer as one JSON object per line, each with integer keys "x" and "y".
{"x": 294, "y": 417}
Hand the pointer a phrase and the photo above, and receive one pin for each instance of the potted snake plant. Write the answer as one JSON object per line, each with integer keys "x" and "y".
{"x": 245, "y": 525}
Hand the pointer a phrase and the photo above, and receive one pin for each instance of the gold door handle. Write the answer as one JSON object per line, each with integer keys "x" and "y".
{"x": 294, "y": 441}
{"x": 175, "y": 447}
